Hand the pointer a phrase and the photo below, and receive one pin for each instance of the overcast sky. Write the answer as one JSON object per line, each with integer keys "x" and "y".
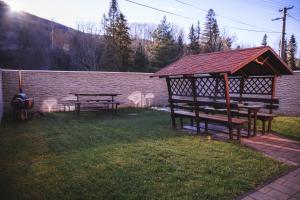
{"x": 232, "y": 15}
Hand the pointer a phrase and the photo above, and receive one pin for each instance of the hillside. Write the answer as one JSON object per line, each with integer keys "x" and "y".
{"x": 28, "y": 41}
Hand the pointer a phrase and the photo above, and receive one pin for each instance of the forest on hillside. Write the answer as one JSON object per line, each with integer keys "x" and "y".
{"x": 115, "y": 45}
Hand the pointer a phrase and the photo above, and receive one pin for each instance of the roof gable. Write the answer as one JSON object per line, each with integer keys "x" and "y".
{"x": 230, "y": 62}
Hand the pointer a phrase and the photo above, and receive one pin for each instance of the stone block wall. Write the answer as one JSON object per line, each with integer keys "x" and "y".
{"x": 288, "y": 92}
{"x": 50, "y": 88}
{"x": 1, "y": 96}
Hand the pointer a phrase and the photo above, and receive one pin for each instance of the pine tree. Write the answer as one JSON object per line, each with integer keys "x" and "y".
{"x": 180, "y": 45}
{"x": 198, "y": 31}
{"x": 285, "y": 50}
{"x": 211, "y": 34}
{"x": 264, "y": 40}
{"x": 111, "y": 20}
{"x": 117, "y": 40}
{"x": 163, "y": 49}
{"x": 194, "y": 46}
{"x": 291, "y": 51}
{"x": 114, "y": 11}
{"x": 140, "y": 60}
{"x": 123, "y": 42}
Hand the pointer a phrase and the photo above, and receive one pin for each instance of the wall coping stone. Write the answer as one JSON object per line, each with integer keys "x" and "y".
{"x": 57, "y": 71}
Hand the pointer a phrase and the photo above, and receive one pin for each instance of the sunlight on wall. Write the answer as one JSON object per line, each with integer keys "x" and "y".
{"x": 49, "y": 105}
{"x": 67, "y": 103}
{"x": 141, "y": 100}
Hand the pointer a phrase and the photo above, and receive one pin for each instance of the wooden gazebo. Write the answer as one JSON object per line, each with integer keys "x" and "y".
{"x": 209, "y": 87}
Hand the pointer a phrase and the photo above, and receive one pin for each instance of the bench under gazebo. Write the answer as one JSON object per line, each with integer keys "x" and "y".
{"x": 229, "y": 88}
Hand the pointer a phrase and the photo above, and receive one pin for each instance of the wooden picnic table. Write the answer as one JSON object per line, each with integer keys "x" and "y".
{"x": 96, "y": 102}
{"x": 252, "y": 110}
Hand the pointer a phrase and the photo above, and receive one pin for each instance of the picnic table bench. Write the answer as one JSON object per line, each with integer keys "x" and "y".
{"x": 265, "y": 112}
{"x": 205, "y": 111}
{"x": 93, "y": 101}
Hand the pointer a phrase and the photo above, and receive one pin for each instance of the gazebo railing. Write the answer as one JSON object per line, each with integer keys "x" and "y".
{"x": 214, "y": 86}
{"x": 211, "y": 89}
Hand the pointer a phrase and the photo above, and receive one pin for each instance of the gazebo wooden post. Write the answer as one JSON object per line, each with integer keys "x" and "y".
{"x": 216, "y": 88}
{"x": 242, "y": 82}
{"x": 272, "y": 97}
{"x": 196, "y": 109}
{"x": 171, "y": 102}
{"x": 227, "y": 97}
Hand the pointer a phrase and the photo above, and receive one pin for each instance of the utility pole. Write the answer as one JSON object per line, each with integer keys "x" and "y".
{"x": 282, "y": 47}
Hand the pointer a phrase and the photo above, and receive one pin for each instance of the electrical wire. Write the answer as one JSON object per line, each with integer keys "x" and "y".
{"x": 160, "y": 10}
{"x": 228, "y": 18}
{"x": 291, "y": 16}
{"x": 172, "y": 13}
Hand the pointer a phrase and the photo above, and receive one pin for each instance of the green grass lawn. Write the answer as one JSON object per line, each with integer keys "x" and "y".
{"x": 101, "y": 156}
{"x": 287, "y": 126}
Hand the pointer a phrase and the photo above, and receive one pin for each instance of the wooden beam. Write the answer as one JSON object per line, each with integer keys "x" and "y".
{"x": 196, "y": 108}
{"x": 216, "y": 87}
{"x": 272, "y": 68}
{"x": 262, "y": 62}
{"x": 242, "y": 82}
{"x": 272, "y": 97}
{"x": 171, "y": 102}
{"x": 227, "y": 97}
{"x": 265, "y": 62}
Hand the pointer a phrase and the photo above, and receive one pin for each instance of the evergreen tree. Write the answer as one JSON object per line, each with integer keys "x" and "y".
{"x": 140, "y": 60}
{"x": 211, "y": 34}
{"x": 110, "y": 22}
{"x": 110, "y": 60}
{"x": 194, "y": 46}
{"x": 180, "y": 45}
{"x": 198, "y": 31}
{"x": 163, "y": 49}
{"x": 117, "y": 40}
{"x": 264, "y": 40}
{"x": 123, "y": 42}
{"x": 291, "y": 51}
{"x": 114, "y": 11}
{"x": 285, "y": 50}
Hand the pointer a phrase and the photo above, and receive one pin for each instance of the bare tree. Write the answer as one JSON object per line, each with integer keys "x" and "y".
{"x": 87, "y": 47}
{"x": 142, "y": 31}
{"x": 226, "y": 40}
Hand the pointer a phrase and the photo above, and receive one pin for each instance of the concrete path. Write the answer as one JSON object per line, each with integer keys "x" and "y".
{"x": 282, "y": 149}
{"x": 285, "y": 187}
{"x": 277, "y": 147}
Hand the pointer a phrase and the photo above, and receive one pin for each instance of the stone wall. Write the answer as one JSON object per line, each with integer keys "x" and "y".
{"x": 288, "y": 92}
{"x": 1, "y": 96}
{"x": 50, "y": 88}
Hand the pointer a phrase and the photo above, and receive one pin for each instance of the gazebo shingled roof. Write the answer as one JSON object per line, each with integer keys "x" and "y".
{"x": 251, "y": 61}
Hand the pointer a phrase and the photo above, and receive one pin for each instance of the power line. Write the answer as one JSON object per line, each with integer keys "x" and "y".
{"x": 275, "y": 2}
{"x": 294, "y": 35}
{"x": 252, "y": 30}
{"x": 294, "y": 18}
{"x": 262, "y": 7}
{"x": 160, "y": 10}
{"x": 271, "y": 3}
{"x": 228, "y": 18}
{"x": 172, "y": 13}
{"x": 282, "y": 45}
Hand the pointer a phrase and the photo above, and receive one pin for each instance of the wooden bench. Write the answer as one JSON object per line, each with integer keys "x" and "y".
{"x": 95, "y": 101}
{"x": 207, "y": 112}
{"x": 96, "y": 104}
{"x": 266, "y": 114}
